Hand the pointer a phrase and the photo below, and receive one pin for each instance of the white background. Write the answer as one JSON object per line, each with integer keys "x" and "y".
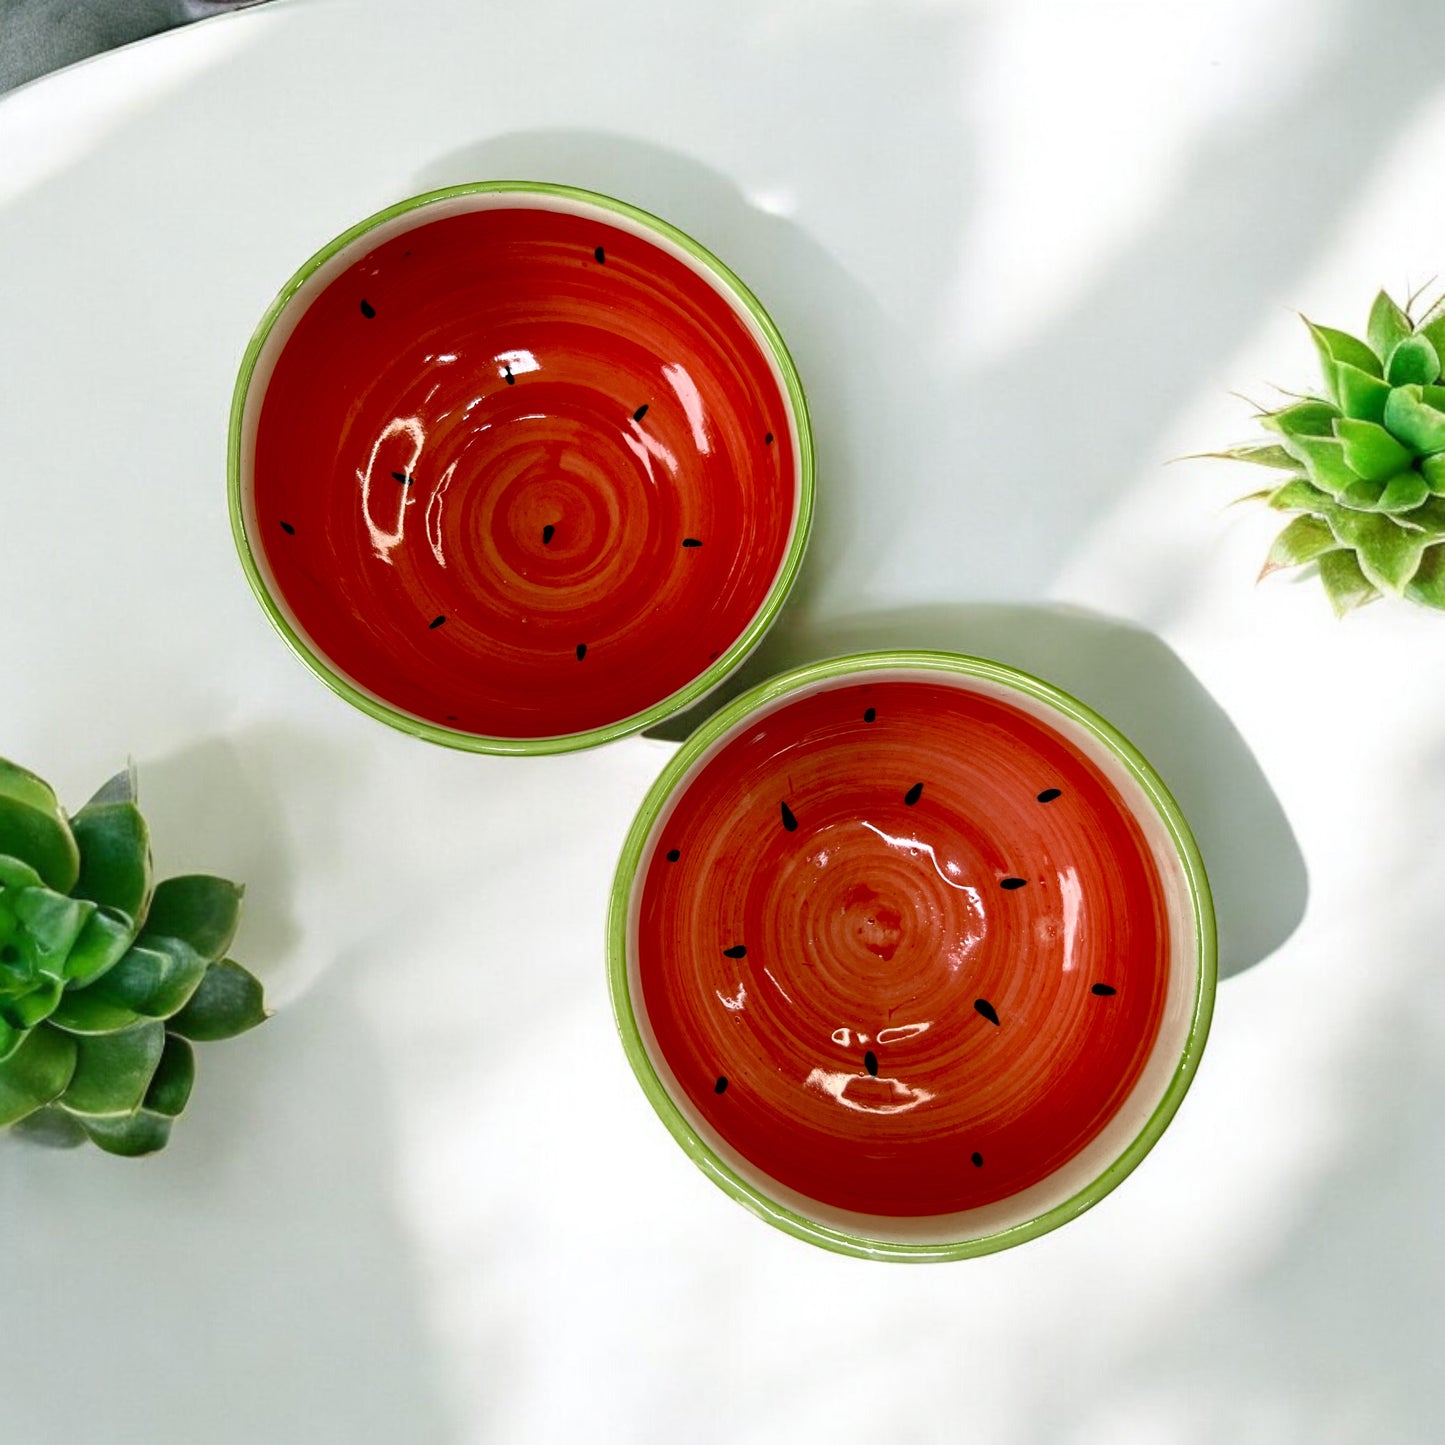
{"x": 1023, "y": 252}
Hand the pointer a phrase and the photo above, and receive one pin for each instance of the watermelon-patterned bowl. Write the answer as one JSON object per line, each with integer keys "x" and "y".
{"x": 913, "y": 953}
{"x": 519, "y": 468}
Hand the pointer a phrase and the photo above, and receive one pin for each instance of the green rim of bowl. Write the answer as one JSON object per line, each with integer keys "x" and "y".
{"x": 829, "y": 1237}
{"x": 729, "y": 284}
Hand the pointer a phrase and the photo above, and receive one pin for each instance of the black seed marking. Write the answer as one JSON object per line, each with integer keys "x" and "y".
{"x": 548, "y": 532}
{"x": 601, "y": 259}
{"x": 402, "y": 477}
{"x": 870, "y": 1062}
{"x": 436, "y": 621}
{"x": 581, "y": 651}
{"x": 673, "y": 854}
{"x": 691, "y": 542}
{"x": 1011, "y": 883}
{"x": 1104, "y": 990}
{"x": 977, "y": 1160}
{"x": 989, "y": 1012}
{"x": 713, "y": 656}
{"x": 640, "y": 412}
{"x": 289, "y": 530}
{"x": 913, "y": 794}
{"x": 368, "y": 310}
{"x": 507, "y": 372}
{"x": 451, "y": 716}
{"x": 738, "y": 950}
{"x": 1048, "y": 795}
{"x": 789, "y": 821}
{"x": 871, "y": 713}
{"x": 721, "y": 1087}
{"x": 768, "y": 440}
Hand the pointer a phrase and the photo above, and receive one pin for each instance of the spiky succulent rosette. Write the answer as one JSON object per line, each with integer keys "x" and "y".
{"x": 106, "y": 979}
{"x": 1364, "y": 464}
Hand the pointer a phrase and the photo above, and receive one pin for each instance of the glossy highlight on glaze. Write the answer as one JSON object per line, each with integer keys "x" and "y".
{"x": 898, "y": 1015}
{"x": 562, "y": 456}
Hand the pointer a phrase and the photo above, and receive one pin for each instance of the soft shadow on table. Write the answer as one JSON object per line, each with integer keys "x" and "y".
{"x": 254, "y": 1279}
{"x": 1256, "y": 870}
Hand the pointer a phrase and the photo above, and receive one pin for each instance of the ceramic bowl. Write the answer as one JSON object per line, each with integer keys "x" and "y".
{"x": 913, "y": 953}
{"x": 519, "y": 468}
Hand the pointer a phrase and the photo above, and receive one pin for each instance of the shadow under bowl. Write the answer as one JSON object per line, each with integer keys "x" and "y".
{"x": 519, "y": 468}
{"x": 913, "y": 953}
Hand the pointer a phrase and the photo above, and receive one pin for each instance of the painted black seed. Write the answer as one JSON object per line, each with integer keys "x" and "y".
{"x": 289, "y": 530}
{"x": 986, "y": 1009}
{"x": 602, "y": 257}
{"x": 871, "y": 713}
{"x": 402, "y": 478}
{"x": 581, "y": 651}
{"x": 738, "y": 950}
{"x": 768, "y": 440}
{"x": 548, "y": 532}
{"x": 789, "y": 821}
{"x": 1011, "y": 883}
{"x": 436, "y": 622}
{"x": 870, "y": 1062}
{"x": 1104, "y": 989}
{"x": 977, "y": 1160}
{"x": 673, "y": 854}
{"x": 507, "y": 372}
{"x": 451, "y": 716}
{"x": 713, "y": 656}
{"x": 368, "y": 310}
{"x": 913, "y": 794}
{"x": 640, "y": 412}
{"x": 1048, "y": 795}
{"x": 691, "y": 542}
{"x": 721, "y": 1087}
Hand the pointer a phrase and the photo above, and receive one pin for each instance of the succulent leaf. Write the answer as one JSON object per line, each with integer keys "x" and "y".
{"x": 1301, "y": 541}
{"x": 1414, "y": 362}
{"x": 121, "y": 788}
{"x": 1298, "y": 495}
{"x": 25, "y": 1010}
{"x": 113, "y": 1071}
{"x": 1388, "y": 553}
{"x": 1427, "y": 586}
{"x": 1302, "y": 419}
{"x": 170, "y": 1089}
{"x": 1433, "y": 470}
{"x": 1363, "y": 496}
{"x": 1433, "y": 327}
{"x": 84, "y": 1011}
{"x": 155, "y": 979}
{"x": 1404, "y": 492}
{"x": 131, "y": 1135}
{"x": 1345, "y": 584}
{"x": 1369, "y": 450}
{"x": 52, "y": 924}
{"x": 1335, "y": 346}
{"x": 1388, "y": 326}
{"x": 51, "y": 1126}
{"x": 1414, "y": 421}
{"x": 198, "y": 909}
{"x": 37, "y": 1072}
{"x": 228, "y": 1002}
{"x": 1324, "y": 463}
{"x": 115, "y": 857}
{"x": 33, "y": 828}
{"x": 1360, "y": 394}
{"x": 1265, "y": 454}
{"x": 101, "y": 944}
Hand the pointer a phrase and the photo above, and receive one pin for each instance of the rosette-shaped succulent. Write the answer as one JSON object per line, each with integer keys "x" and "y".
{"x": 105, "y": 979}
{"x": 1363, "y": 465}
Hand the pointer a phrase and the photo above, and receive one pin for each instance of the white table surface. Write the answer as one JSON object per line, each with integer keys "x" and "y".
{"x": 1022, "y": 253}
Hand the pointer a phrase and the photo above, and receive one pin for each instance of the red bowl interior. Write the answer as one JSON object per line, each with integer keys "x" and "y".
{"x": 902, "y": 948}
{"x": 522, "y": 471}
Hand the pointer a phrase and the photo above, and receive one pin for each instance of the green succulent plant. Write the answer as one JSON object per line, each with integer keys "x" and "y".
{"x": 1362, "y": 466}
{"x": 106, "y": 978}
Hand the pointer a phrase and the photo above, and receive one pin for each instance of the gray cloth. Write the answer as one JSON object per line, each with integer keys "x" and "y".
{"x": 37, "y": 36}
